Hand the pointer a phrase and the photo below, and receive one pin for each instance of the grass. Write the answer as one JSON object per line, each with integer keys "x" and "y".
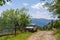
{"x": 21, "y": 36}
{"x": 57, "y": 34}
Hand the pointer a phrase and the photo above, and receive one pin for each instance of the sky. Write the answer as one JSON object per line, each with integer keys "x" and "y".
{"x": 36, "y": 9}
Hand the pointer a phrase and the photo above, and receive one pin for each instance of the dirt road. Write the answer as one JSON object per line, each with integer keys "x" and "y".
{"x": 42, "y": 35}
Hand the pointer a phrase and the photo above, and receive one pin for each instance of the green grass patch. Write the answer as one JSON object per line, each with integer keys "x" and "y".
{"x": 21, "y": 36}
{"x": 57, "y": 34}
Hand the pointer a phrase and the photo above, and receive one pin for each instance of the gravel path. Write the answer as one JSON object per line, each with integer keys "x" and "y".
{"x": 42, "y": 35}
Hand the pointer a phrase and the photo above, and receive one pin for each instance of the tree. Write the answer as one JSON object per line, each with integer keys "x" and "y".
{"x": 54, "y": 7}
{"x": 24, "y": 20}
{"x": 2, "y": 2}
{"x": 15, "y": 18}
{"x": 57, "y": 24}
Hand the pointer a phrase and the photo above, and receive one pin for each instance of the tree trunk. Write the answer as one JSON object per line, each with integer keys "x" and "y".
{"x": 15, "y": 30}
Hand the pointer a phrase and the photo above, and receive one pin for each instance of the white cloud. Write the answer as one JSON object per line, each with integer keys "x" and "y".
{"x": 39, "y": 15}
{"x": 38, "y": 5}
{"x": 25, "y": 4}
{"x": 46, "y": 7}
{"x": 8, "y": 3}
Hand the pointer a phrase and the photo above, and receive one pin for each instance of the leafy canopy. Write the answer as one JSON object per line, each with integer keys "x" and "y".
{"x": 2, "y": 2}
{"x": 53, "y": 6}
{"x": 15, "y": 17}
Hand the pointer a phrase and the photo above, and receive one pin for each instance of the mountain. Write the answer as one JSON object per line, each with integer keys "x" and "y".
{"x": 40, "y": 22}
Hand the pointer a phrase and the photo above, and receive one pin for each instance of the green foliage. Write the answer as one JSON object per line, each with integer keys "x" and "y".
{"x": 2, "y": 2}
{"x": 24, "y": 20}
{"x": 57, "y": 24}
{"x": 8, "y": 17}
{"x": 13, "y": 17}
{"x": 57, "y": 34}
{"x": 53, "y": 6}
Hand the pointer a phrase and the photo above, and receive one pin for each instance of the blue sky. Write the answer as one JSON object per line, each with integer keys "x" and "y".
{"x": 35, "y": 7}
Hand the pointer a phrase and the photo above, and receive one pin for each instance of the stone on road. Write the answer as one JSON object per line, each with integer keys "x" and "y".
{"x": 42, "y": 35}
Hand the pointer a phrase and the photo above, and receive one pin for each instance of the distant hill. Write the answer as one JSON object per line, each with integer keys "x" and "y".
{"x": 40, "y": 22}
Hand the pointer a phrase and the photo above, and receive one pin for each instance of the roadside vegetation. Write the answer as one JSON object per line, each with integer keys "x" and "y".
{"x": 20, "y": 36}
{"x": 54, "y": 7}
{"x": 17, "y": 20}
{"x": 55, "y": 28}
{"x": 58, "y": 34}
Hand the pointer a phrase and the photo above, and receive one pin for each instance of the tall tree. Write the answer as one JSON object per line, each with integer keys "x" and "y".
{"x": 16, "y": 18}
{"x": 54, "y": 7}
